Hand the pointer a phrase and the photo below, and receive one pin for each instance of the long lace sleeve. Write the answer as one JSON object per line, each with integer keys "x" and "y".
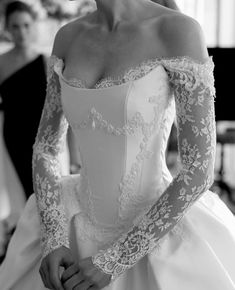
{"x": 193, "y": 87}
{"x": 50, "y": 142}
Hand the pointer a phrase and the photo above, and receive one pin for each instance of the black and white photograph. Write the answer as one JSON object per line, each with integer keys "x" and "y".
{"x": 117, "y": 145}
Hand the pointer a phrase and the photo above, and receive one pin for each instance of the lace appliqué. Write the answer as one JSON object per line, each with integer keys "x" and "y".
{"x": 192, "y": 84}
{"x": 141, "y": 70}
{"x": 50, "y": 142}
{"x": 129, "y": 75}
{"x": 130, "y": 201}
{"x": 96, "y": 121}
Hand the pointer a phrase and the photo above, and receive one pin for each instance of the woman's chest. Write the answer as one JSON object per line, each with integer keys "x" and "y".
{"x": 92, "y": 60}
{"x": 132, "y": 104}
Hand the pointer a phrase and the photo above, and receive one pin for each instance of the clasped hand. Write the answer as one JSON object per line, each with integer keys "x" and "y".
{"x": 76, "y": 276}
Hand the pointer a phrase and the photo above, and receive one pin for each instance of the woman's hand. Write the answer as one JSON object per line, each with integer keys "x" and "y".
{"x": 84, "y": 275}
{"x": 50, "y": 267}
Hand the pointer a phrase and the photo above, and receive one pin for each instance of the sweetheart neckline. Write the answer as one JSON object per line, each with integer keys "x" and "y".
{"x": 156, "y": 62}
{"x": 112, "y": 82}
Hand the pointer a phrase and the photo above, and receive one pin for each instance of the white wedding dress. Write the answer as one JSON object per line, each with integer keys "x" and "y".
{"x": 148, "y": 230}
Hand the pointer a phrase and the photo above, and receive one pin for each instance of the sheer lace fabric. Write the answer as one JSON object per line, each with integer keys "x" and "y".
{"x": 193, "y": 87}
{"x": 49, "y": 144}
{"x": 129, "y": 75}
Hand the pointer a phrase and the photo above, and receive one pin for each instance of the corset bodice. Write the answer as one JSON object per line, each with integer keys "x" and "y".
{"x": 122, "y": 132}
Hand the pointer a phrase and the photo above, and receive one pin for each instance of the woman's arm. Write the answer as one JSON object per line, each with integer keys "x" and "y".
{"x": 50, "y": 142}
{"x": 193, "y": 86}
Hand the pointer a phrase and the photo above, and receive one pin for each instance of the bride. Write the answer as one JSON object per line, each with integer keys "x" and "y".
{"x": 117, "y": 77}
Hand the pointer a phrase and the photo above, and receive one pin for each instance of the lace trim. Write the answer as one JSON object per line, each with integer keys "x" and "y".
{"x": 187, "y": 72}
{"x": 141, "y": 70}
{"x": 129, "y": 199}
{"x": 96, "y": 121}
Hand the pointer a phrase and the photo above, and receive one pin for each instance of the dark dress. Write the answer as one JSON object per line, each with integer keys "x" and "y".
{"x": 23, "y": 95}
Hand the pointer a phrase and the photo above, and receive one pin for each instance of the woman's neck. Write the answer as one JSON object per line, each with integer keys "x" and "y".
{"x": 113, "y": 12}
{"x": 24, "y": 52}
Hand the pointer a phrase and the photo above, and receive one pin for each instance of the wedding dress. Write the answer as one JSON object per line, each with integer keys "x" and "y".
{"x": 145, "y": 228}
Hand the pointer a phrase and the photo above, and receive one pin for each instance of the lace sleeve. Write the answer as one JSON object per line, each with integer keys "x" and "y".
{"x": 50, "y": 142}
{"x": 193, "y": 86}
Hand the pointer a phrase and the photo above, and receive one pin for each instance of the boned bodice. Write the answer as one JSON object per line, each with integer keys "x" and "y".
{"x": 122, "y": 132}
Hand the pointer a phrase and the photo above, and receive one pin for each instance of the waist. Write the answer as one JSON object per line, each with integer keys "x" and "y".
{"x": 103, "y": 218}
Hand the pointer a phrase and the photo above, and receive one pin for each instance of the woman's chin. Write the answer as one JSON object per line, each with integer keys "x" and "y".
{"x": 23, "y": 43}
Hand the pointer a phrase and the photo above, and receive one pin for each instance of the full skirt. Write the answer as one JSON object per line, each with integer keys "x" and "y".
{"x": 199, "y": 254}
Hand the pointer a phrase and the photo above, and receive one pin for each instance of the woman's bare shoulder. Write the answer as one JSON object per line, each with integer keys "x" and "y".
{"x": 66, "y": 34}
{"x": 182, "y": 35}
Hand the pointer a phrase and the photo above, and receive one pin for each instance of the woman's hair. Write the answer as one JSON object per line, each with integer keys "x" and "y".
{"x": 18, "y": 6}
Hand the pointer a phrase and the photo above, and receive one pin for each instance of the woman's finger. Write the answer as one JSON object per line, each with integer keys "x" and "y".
{"x": 73, "y": 281}
{"x": 85, "y": 285}
{"x": 93, "y": 287}
{"x": 67, "y": 261}
{"x": 54, "y": 278}
{"x": 69, "y": 272}
{"x": 45, "y": 276}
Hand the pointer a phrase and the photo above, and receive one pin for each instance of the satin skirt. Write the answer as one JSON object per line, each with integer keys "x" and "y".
{"x": 12, "y": 196}
{"x": 199, "y": 255}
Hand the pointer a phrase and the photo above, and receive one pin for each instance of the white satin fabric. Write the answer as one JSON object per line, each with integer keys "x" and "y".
{"x": 198, "y": 254}
{"x": 199, "y": 257}
{"x": 12, "y": 196}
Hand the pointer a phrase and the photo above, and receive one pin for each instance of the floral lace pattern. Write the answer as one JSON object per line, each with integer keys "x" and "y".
{"x": 96, "y": 120}
{"x": 129, "y": 198}
{"x": 141, "y": 70}
{"x": 129, "y": 75}
{"x": 49, "y": 143}
{"x": 193, "y": 87}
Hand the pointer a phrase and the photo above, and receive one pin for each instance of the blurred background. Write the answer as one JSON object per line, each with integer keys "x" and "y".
{"x": 217, "y": 18}
{"x": 51, "y": 15}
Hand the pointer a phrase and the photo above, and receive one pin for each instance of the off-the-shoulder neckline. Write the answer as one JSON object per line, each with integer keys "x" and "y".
{"x": 160, "y": 58}
{"x": 173, "y": 62}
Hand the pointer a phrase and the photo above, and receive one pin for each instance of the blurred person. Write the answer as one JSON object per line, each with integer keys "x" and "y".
{"x": 22, "y": 68}
{"x": 117, "y": 78}
{"x": 22, "y": 90}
